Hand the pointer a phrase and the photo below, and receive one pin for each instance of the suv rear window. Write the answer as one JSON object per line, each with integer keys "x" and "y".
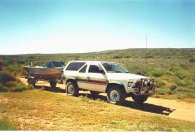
{"x": 74, "y": 66}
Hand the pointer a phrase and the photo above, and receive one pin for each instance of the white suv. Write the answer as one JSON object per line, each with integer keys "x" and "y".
{"x": 106, "y": 77}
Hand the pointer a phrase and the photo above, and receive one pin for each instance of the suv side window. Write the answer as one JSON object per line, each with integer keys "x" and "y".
{"x": 74, "y": 66}
{"x": 83, "y": 70}
{"x": 94, "y": 69}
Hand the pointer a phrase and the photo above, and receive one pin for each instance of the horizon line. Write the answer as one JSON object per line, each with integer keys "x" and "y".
{"x": 89, "y": 52}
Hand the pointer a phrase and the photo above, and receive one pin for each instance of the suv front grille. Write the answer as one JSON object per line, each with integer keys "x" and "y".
{"x": 144, "y": 83}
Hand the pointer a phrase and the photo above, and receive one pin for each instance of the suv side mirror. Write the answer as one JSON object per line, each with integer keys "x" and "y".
{"x": 102, "y": 71}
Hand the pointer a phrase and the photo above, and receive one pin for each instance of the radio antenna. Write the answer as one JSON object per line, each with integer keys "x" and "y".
{"x": 146, "y": 52}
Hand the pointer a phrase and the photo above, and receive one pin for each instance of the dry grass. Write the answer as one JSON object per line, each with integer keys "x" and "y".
{"x": 43, "y": 110}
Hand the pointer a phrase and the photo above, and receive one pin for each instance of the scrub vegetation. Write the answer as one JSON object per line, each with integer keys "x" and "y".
{"x": 174, "y": 69}
{"x": 9, "y": 82}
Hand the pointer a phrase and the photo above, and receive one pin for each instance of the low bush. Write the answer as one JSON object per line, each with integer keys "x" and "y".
{"x": 20, "y": 88}
{"x": 192, "y": 59}
{"x": 172, "y": 88}
{"x": 117, "y": 56}
{"x": 160, "y": 83}
{"x": 3, "y": 88}
{"x": 6, "y": 125}
{"x": 163, "y": 91}
{"x": 9, "y": 83}
{"x": 155, "y": 73}
{"x": 6, "y": 77}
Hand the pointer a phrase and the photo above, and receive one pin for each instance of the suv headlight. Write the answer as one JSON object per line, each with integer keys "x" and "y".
{"x": 146, "y": 82}
{"x": 129, "y": 84}
{"x": 151, "y": 83}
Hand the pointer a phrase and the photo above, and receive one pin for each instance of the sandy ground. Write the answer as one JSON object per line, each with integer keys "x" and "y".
{"x": 172, "y": 108}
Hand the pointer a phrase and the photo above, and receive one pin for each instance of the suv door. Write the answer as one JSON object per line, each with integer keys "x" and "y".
{"x": 82, "y": 78}
{"x": 97, "y": 81}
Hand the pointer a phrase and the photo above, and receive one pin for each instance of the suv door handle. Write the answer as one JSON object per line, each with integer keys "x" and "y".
{"x": 88, "y": 78}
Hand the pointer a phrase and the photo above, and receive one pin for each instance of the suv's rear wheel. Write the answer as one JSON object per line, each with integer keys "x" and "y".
{"x": 72, "y": 89}
{"x": 115, "y": 95}
{"x": 139, "y": 98}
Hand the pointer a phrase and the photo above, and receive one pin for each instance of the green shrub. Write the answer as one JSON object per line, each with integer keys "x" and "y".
{"x": 163, "y": 91}
{"x": 172, "y": 88}
{"x": 182, "y": 90}
{"x": 155, "y": 73}
{"x": 136, "y": 69}
{"x": 179, "y": 82}
{"x": 13, "y": 86}
{"x": 20, "y": 88}
{"x": 3, "y": 88}
{"x": 191, "y": 95}
{"x": 9, "y": 83}
{"x": 6, "y": 125}
{"x": 181, "y": 74}
{"x": 6, "y": 77}
{"x": 160, "y": 83}
{"x": 117, "y": 56}
{"x": 192, "y": 59}
{"x": 150, "y": 56}
{"x": 15, "y": 69}
{"x": 127, "y": 56}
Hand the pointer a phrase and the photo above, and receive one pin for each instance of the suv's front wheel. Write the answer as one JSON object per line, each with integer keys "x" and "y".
{"x": 115, "y": 95}
{"x": 139, "y": 98}
{"x": 72, "y": 89}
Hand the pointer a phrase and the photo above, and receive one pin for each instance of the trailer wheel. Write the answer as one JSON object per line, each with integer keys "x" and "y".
{"x": 32, "y": 82}
{"x": 72, "y": 89}
{"x": 53, "y": 83}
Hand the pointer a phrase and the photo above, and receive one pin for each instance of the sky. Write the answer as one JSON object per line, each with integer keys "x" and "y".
{"x": 77, "y": 26}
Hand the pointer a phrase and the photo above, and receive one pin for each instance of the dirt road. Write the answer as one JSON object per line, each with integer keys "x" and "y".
{"x": 172, "y": 108}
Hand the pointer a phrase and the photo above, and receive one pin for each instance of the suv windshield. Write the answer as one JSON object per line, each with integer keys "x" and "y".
{"x": 114, "y": 68}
